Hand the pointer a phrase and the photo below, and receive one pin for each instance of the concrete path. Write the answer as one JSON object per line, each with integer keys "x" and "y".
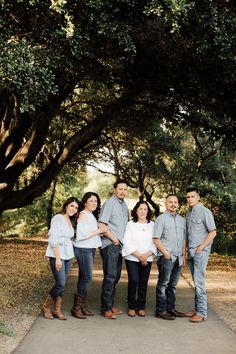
{"x": 97, "y": 335}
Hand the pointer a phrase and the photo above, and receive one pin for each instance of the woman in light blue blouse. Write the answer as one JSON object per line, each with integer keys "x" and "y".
{"x": 60, "y": 253}
{"x": 87, "y": 240}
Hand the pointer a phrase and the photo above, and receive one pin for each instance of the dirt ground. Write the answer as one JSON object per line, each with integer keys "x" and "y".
{"x": 25, "y": 279}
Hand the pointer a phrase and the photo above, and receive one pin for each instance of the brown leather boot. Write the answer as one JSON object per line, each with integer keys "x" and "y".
{"x": 76, "y": 310}
{"x": 84, "y": 308}
{"x": 47, "y": 308}
{"x": 56, "y": 311}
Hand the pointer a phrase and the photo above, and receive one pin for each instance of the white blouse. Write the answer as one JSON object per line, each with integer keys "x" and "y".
{"x": 60, "y": 235}
{"x": 138, "y": 237}
{"x": 84, "y": 229}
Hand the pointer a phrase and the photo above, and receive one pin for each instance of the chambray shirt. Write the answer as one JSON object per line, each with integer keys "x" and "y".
{"x": 171, "y": 230}
{"x": 200, "y": 222}
{"x": 60, "y": 235}
{"x": 115, "y": 214}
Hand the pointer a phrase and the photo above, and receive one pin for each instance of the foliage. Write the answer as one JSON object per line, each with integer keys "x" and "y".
{"x": 33, "y": 219}
{"x": 164, "y": 158}
{"x": 69, "y": 70}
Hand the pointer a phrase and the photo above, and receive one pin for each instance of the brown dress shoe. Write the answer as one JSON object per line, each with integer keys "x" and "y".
{"x": 141, "y": 313}
{"x": 109, "y": 315}
{"x": 197, "y": 319}
{"x": 116, "y": 311}
{"x": 131, "y": 313}
{"x": 190, "y": 313}
{"x": 177, "y": 313}
{"x": 165, "y": 316}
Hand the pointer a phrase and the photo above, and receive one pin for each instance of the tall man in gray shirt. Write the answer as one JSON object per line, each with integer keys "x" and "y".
{"x": 114, "y": 214}
{"x": 201, "y": 230}
{"x": 169, "y": 236}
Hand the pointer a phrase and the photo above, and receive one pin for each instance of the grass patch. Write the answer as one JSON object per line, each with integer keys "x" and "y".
{"x": 6, "y": 331}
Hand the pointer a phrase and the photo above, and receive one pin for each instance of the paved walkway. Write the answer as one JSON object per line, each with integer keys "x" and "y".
{"x": 97, "y": 335}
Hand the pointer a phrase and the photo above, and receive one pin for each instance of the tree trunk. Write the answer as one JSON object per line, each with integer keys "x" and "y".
{"x": 50, "y": 204}
{"x": 153, "y": 204}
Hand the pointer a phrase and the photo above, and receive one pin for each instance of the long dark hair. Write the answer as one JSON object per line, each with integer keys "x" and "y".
{"x": 134, "y": 211}
{"x": 85, "y": 197}
{"x": 74, "y": 217}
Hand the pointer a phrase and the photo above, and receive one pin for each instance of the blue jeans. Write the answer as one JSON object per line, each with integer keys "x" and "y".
{"x": 198, "y": 264}
{"x": 168, "y": 278}
{"x": 85, "y": 258}
{"x": 137, "y": 284}
{"x": 59, "y": 276}
{"x": 112, "y": 262}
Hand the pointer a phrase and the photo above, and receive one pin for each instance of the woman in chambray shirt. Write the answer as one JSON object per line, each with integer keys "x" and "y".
{"x": 87, "y": 240}
{"x": 60, "y": 253}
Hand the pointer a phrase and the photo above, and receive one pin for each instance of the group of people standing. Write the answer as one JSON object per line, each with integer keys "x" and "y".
{"x": 84, "y": 226}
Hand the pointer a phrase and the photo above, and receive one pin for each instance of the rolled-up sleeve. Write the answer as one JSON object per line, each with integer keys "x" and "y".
{"x": 106, "y": 212}
{"x": 54, "y": 232}
{"x": 209, "y": 221}
{"x": 158, "y": 228}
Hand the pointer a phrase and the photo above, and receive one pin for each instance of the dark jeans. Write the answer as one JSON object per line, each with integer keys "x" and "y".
{"x": 168, "y": 278}
{"x": 84, "y": 257}
{"x": 60, "y": 276}
{"x": 137, "y": 284}
{"x": 112, "y": 262}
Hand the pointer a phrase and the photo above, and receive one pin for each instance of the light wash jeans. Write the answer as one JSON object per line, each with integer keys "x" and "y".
{"x": 198, "y": 264}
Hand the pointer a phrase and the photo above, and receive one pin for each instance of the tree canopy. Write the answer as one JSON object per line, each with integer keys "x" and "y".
{"x": 69, "y": 69}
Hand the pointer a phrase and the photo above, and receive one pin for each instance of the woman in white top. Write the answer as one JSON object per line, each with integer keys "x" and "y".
{"x": 60, "y": 253}
{"x": 138, "y": 251}
{"x": 87, "y": 240}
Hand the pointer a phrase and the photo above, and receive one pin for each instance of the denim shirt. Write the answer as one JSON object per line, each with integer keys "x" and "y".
{"x": 200, "y": 222}
{"x": 171, "y": 230}
{"x": 115, "y": 214}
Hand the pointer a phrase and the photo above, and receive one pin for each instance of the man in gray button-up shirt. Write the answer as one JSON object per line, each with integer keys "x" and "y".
{"x": 201, "y": 230}
{"x": 114, "y": 213}
{"x": 169, "y": 236}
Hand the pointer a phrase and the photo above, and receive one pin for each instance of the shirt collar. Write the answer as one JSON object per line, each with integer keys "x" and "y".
{"x": 119, "y": 200}
{"x": 169, "y": 213}
{"x": 197, "y": 206}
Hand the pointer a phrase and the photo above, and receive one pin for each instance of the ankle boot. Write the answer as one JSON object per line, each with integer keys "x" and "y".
{"x": 56, "y": 311}
{"x": 47, "y": 308}
{"x": 76, "y": 309}
{"x": 84, "y": 308}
